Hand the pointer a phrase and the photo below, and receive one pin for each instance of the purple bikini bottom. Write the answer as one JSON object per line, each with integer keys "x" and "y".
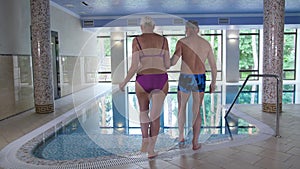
{"x": 150, "y": 82}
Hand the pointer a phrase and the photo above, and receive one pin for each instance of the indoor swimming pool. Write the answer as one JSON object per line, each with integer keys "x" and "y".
{"x": 89, "y": 136}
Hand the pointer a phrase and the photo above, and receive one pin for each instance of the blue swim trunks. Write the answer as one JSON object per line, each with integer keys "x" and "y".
{"x": 191, "y": 83}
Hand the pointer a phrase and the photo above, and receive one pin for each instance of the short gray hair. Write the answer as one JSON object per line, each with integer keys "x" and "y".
{"x": 192, "y": 24}
{"x": 147, "y": 20}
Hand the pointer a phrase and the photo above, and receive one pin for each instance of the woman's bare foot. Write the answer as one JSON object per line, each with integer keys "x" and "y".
{"x": 196, "y": 146}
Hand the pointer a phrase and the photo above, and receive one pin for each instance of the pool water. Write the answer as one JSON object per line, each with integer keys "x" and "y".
{"x": 90, "y": 133}
{"x": 72, "y": 141}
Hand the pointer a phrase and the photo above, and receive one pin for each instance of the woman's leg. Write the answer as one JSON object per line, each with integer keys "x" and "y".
{"x": 157, "y": 99}
{"x": 197, "y": 119}
{"x": 143, "y": 99}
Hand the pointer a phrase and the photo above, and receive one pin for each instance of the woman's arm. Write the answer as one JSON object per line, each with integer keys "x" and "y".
{"x": 166, "y": 54}
{"x": 134, "y": 65}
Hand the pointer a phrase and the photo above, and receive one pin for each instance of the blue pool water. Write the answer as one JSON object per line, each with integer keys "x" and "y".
{"x": 92, "y": 134}
{"x": 72, "y": 142}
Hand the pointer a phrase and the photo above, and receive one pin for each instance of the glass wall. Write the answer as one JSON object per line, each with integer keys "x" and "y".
{"x": 169, "y": 116}
{"x": 289, "y": 54}
{"x": 16, "y": 85}
{"x": 104, "y": 69}
{"x": 215, "y": 38}
{"x": 249, "y": 63}
{"x": 249, "y": 53}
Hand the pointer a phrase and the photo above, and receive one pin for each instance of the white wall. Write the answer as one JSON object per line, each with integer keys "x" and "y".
{"x": 15, "y": 27}
{"x": 73, "y": 41}
{"x": 15, "y": 30}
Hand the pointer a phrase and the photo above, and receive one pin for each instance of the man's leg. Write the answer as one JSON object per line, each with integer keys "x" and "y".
{"x": 197, "y": 119}
{"x": 182, "y": 101}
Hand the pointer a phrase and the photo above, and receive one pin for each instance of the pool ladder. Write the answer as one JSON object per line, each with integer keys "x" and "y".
{"x": 277, "y": 103}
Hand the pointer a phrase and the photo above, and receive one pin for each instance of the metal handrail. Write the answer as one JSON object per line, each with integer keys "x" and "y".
{"x": 277, "y": 103}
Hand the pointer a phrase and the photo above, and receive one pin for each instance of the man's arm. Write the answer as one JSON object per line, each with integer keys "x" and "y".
{"x": 213, "y": 66}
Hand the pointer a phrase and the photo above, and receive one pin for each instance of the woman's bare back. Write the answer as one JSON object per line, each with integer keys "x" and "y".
{"x": 153, "y": 51}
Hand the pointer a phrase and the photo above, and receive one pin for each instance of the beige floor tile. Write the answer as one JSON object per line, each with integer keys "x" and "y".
{"x": 250, "y": 148}
{"x": 295, "y": 151}
{"x": 276, "y": 144}
{"x": 201, "y": 155}
{"x": 205, "y": 165}
{"x": 276, "y": 155}
{"x": 228, "y": 151}
{"x": 11, "y": 133}
{"x": 217, "y": 159}
{"x": 3, "y": 142}
{"x": 157, "y": 164}
{"x": 185, "y": 161}
{"x": 245, "y": 157}
{"x": 293, "y": 161}
{"x": 269, "y": 163}
{"x": 239, "y": 165}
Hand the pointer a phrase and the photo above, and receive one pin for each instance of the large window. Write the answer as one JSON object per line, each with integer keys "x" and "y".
{"x": 288, "y": 93}
{"x": 215, "y": 39}
{"x": 249, "y": 95}
{"x": 170, "y": 110}
{"x": 211, "y": 108}
{"x": 289, "y": 54}
{"x": 249, "y": 53}
{"x": 173, "y": 37}
{"x": 104, "y": 50}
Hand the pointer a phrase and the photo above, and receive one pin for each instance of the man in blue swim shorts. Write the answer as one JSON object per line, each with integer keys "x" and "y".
{"x": 194, "y": 51}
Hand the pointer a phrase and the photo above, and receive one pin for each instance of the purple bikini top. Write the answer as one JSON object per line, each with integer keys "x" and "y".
{"x": 157, "y": 55}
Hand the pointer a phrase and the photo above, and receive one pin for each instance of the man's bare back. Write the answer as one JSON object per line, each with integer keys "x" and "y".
{"x": 194, "y": 51}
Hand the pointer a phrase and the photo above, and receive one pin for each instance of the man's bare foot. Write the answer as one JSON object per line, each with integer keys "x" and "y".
{"x": 144, "y": 147}
{"x": 179, "y": 140}
{"x": 197, "y": 146}
{"x": 152, "y": 155}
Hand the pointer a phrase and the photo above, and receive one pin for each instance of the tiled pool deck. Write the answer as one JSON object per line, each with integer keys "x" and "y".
{"x": 261, "y": 151}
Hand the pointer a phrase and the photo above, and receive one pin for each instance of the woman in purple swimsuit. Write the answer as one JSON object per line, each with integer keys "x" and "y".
{"x": 150, "y": 61}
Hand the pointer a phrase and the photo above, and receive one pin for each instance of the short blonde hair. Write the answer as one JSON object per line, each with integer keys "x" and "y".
{"x": 147, "y": 20}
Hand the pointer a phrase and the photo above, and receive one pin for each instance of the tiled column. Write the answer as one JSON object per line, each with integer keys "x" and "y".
{"x": 273, "y": 52}
{"x": 41, "y": 56}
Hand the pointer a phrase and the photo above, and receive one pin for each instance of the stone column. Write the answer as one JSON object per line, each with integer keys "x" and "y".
{"x": 273, "y": 52}
{"x": 41, "y": 56}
